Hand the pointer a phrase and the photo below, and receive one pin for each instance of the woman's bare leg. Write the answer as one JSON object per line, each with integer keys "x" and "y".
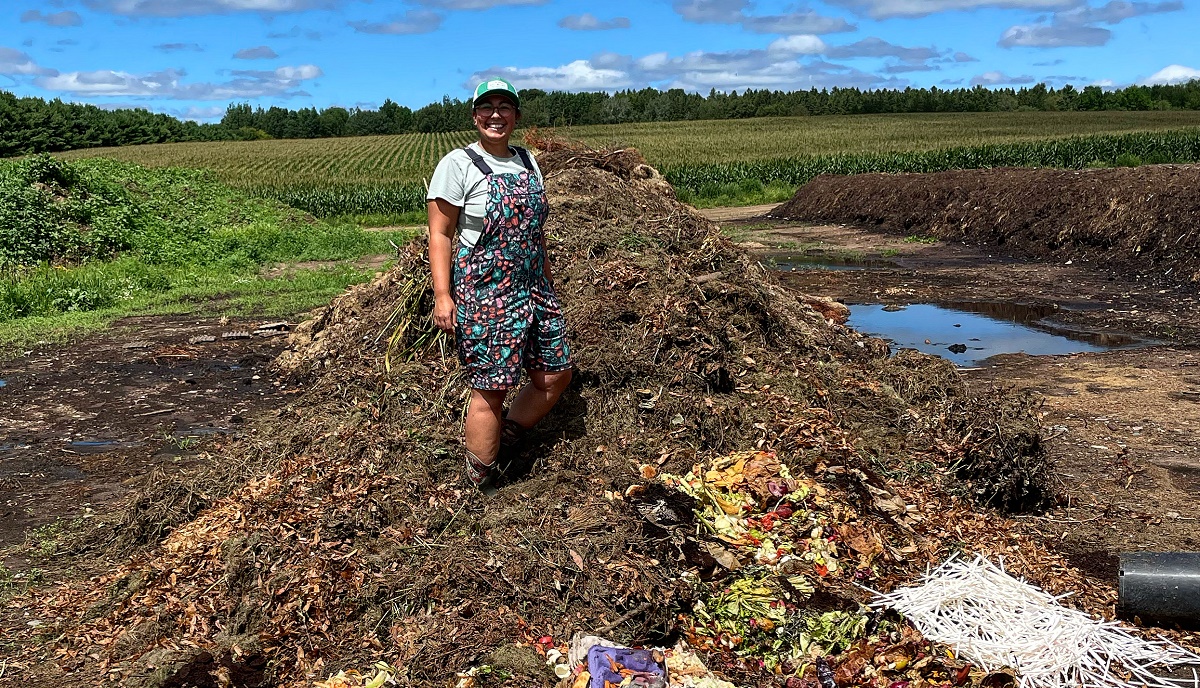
{"x": 536, "y": 399}
{"x": 484, "y": 416}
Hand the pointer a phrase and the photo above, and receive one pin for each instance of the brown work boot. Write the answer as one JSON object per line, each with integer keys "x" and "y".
{"x": 482, "y": 475}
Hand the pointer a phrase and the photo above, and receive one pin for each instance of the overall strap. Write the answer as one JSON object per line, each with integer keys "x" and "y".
{"x": 524, "y": 157}
{"x": 479, "y": 161}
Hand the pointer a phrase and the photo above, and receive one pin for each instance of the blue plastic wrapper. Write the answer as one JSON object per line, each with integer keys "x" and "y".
{"x": 645, "y": 670}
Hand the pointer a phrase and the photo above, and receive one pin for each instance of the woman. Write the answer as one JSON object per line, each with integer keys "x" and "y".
{"x": 492, "y": 288}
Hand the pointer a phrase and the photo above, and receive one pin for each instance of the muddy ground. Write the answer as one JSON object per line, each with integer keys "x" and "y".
{"x": 81, "y": 425}
{"x": 1121, "y": 423}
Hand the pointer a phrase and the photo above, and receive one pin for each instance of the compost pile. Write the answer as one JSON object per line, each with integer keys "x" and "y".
{"x": 1140, "y": 220}
{"x": 728, "y": 468}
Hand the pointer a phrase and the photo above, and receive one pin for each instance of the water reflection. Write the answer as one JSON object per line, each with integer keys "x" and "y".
{"x": 99, "y": 446}
{"x": 967, "y": 333}
{"x": 787, "y": 262}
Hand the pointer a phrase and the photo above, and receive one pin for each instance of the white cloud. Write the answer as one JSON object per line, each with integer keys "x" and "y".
{"x": 189, "y": 8}
{"x": 284, "y": 82}
{"x": 1103, "y": 83}
{"x": 16, "y": 63}
{"x": 776, "y": 67}
{"x": 1077, "y": 26}
{"x": 579, "y": 75}
{"x": 261, "y": 52}
{"x": 963, "y": 57}
{"x": 798, "y": 45}
{"x": 589, "y": 22}
{"x": 885, "y": 9}
{"x": 414, "y": 22}
{"x": 64, "y": 18}
{"x": 996, "y": 78}
{"x": 1173, "y": 74}
{"x": 1053, "y": 36}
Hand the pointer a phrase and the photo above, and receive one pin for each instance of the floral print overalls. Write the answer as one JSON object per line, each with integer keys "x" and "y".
{"x": 507, "y": 315}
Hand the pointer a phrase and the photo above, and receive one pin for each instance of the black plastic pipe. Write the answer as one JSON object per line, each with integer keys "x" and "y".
{"x": 1160, "y": 587}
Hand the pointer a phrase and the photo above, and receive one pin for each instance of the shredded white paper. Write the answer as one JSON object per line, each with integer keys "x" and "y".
{"x": 995, "y": 621}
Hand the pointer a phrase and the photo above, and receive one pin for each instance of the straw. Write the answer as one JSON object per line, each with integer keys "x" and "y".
{"x": 993, "y": 620}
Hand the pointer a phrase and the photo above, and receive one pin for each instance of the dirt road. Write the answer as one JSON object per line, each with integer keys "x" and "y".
{"x": 1122, "y": 423}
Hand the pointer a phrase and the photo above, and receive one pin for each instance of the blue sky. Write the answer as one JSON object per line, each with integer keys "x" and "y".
{"x": 192, "y": 58}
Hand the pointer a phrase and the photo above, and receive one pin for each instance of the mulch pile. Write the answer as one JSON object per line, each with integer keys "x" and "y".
{"x": 729, "y": 466}
{"x": 1141, "y": 220}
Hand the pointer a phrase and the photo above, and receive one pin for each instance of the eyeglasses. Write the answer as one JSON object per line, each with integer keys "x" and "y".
{"x": 486, "y": 110}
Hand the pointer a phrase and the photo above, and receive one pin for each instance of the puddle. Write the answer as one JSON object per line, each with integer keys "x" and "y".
{"x": 3, "y": 383}
{"x": 16, "y": 469}
{"x": 970, "y": 332}
{"x": 792, "y": 263}
{"x": 99, "y": 446}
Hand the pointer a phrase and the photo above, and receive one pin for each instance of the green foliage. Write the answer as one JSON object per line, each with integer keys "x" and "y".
{"x": 99, "y": 234}
{"x": 704, "y": 183}
{"x": 364, "y": 199}
{"x": 1128, "y": 160}
{"x": 55, "y": 211}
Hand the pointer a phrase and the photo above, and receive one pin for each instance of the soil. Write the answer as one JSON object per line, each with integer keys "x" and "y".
{"x": 352, "y": 537}
{"x": 82, "y": 425}
{"x": 1121, "y": 423}
{"x": 1142, "y": 220}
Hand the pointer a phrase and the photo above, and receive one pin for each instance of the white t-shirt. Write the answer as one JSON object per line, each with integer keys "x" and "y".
{"x": 460, "y": 182}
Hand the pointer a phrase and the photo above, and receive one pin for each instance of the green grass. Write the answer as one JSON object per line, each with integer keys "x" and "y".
{"x": 198, "y": 290}
{"x": 412, "y": 218}
{"x": 744, "y": 192}
{"x": 176, "y": 241}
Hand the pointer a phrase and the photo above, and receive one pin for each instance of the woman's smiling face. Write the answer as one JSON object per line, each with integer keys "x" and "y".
{"x": 496, "y": 117}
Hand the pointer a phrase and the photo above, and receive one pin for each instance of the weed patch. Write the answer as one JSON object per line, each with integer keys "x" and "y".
{"x": 106, "y": 237}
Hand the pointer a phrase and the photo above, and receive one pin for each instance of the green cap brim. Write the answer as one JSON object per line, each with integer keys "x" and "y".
{"x": 499, "y": 92}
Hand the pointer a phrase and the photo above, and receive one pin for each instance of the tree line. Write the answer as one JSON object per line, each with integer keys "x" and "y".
{"x": 34, "y": 125}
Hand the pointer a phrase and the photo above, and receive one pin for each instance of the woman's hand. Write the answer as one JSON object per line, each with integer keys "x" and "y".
{"x": 443, "y": 313}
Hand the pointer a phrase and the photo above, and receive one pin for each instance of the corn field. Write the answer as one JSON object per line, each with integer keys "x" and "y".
{"x": 384, "y": 174}
{"x": 1072, "y": 153}
{"x": 668, "y": 144}
{"x": 300, "y": 163}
